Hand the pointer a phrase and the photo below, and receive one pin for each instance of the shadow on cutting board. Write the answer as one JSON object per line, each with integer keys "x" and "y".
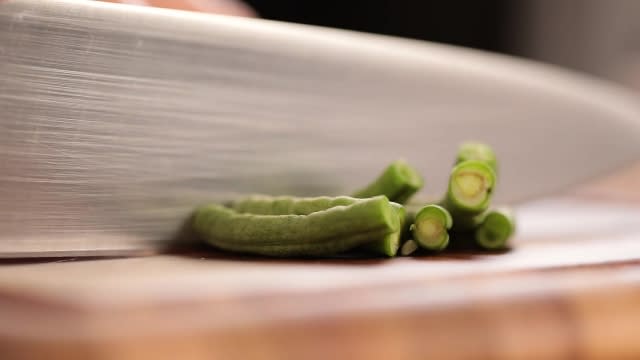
{"x": 205, "y": 252}
{"x": 185, "y": 243}
{"x": 44, "y": 260}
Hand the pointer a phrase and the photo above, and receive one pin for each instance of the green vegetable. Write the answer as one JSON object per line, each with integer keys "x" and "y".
{"x": 411, "y": 211}
{"x": 492, "y": 228}
{"x": 408, "y": 248}
{"x": 496, "y": 228}
{"x": 431, "y": 226}
{"x": 288, "y": 205}
{"x": 469, "y": 193}
{"x": 398, "y": 182}
{"x": 391, "y": 243}
{"x": 373, "y": 219}
{"x": 477, "y": 151}
{"x": 320, "y": 233}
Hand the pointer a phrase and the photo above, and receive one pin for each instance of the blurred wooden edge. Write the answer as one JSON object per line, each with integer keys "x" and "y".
{"x": 622, "y": 186}
{"x": 558, "y": 314}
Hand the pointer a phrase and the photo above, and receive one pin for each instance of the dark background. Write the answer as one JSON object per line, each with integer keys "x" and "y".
{"x": 598, "y": 37}
{"x": 480, "y": 24}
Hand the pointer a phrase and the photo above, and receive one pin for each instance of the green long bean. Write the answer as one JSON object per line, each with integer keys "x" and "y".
{"x": 321, "y": 233}
{"x": 286, "y": 205}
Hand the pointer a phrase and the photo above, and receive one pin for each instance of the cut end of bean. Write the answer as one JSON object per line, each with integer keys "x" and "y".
{"x": 390, "y": 244}
{"x": 470, "y": 186}
{"x": 392, "y": 241}
{"x": 495, "y": 230}
{"x": 431, "y": 227}
{"x": 408, "y": 248}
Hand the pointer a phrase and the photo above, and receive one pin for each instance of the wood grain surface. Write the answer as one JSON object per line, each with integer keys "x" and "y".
{"x": 569, "y": 289}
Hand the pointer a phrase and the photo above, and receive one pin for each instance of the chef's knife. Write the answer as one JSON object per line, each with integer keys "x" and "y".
{"x": 117, "y": 120}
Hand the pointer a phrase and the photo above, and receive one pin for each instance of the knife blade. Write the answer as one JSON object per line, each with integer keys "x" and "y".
{"x": 117, "y": 120}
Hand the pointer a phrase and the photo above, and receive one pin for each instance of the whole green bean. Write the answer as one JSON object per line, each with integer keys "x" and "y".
{"x": 431, "y": 226}
{"x": 398, "y": 182}
{"x": 325, "y": 232}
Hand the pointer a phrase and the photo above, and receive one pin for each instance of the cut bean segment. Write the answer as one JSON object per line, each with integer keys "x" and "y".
{"x": 496, "y": 228}
{"x": 431, "y": 226}
{"x": 391, "y": 243}
{"x": 470, "y": 188}
{"x": 398, "y": 182}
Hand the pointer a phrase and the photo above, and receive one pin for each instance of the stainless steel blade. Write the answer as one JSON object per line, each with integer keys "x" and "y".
{"x": 117, "y": 120}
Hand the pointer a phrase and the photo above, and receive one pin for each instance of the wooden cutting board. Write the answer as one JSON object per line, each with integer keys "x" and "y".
{"x": 570, "y": 288}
